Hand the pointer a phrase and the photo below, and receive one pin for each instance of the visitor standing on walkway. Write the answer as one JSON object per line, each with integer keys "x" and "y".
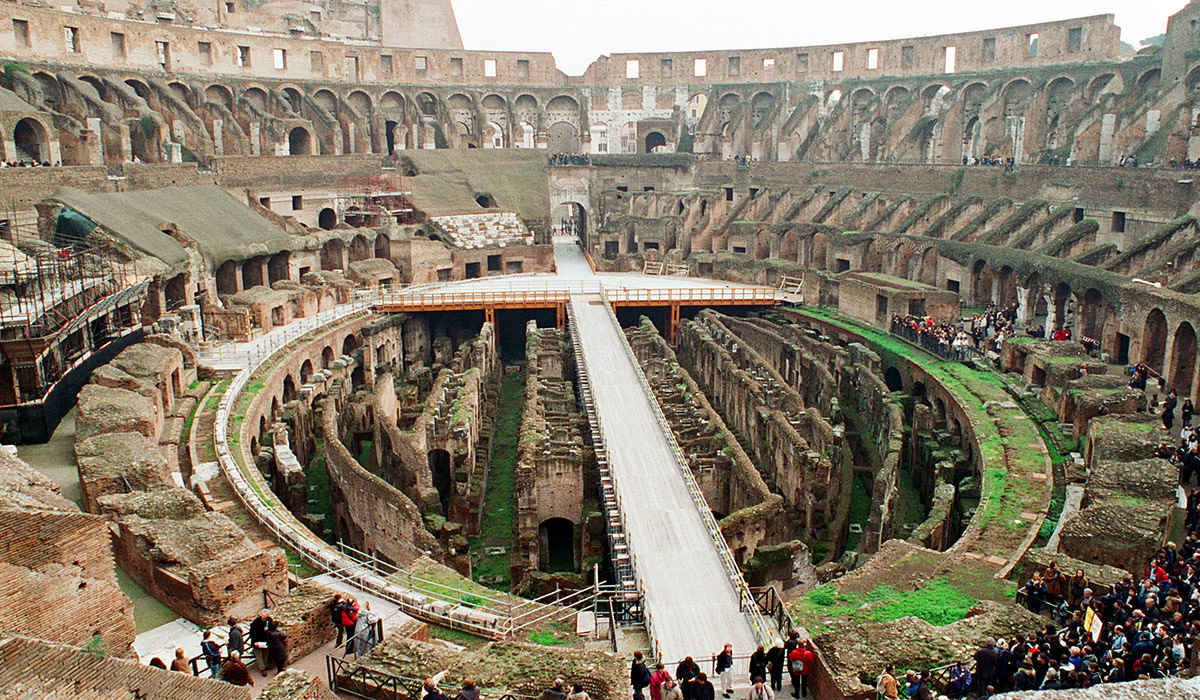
{"x": 235, "y": 672}
{"x": 335, "y": 616}
{"x": 760, "y": 691}
{"x": 671, "y": 690}
{"x": 1168, "y": 414}
{"x": 704, "y": 688}
{"x": 236, "y": 639}
{"x": 800, "y": 662}
{"x": 211, "y": 651}
{"x": 277, "y": 646}
{"x": 776, "y": 658}
{"x": 686, "y": 673}
{"x": 259, "y": 639}
{"x": 639, "y": 676}
{"x": 656, "y": 681}
{"x": 758, "y": 663}
{"x": 724, "y": 670}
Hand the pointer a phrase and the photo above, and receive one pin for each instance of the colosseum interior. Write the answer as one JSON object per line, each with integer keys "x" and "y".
{"x": 875, "y": 350}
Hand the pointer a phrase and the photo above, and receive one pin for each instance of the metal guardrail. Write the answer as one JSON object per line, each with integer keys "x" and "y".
{"x": 621, "y": 553}
{"x": 693, "y": 295}
{"x": 532, "y": 294}
{"x": 747, "y": 603}
{"x": 269, "y": 511}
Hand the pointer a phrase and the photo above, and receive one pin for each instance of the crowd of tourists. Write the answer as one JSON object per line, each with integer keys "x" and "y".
{"x": 570, "y": 159}
{"x": 1138, "y": 628}
{"x": 795, "y": 656}
{"x": 960, "y": 341}
{"x": 263, "y": 643}
{"x": 28, "y": 164}
{"x": 1008, "y": 163}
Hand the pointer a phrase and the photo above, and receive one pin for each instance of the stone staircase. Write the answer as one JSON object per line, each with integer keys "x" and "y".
{"x": 485, "y": 230}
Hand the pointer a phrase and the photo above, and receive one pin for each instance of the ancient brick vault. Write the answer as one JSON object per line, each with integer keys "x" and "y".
{"x": 294, "y": 299}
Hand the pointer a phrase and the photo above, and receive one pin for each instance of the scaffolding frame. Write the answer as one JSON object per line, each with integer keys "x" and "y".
{"x": 374, "y": 195}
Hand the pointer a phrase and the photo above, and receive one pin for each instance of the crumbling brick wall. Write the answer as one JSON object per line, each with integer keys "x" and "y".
{"x": 56, "y": 566}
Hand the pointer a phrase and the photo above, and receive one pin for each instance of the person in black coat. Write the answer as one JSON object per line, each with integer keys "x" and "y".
{"x": 758, "y": 663}
{"x": 236, "y": 639}
{"x": 259, "y": 639}
{"x": 335, "y": 616}
{"x": 985, "y": 666}
{"x": 775, "y": 658}
{"x": 686, "y": 673}
{"x": 1168, "y": 414}
{"x": 639, "y": 675}
{"x": 277, "y": 646}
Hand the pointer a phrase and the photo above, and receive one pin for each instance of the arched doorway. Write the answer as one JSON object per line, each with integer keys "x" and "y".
{"x": 1091, "y": 323}
{"x": 326, "y": 357}
{"x": 278, "y": 267}
{"x": 1154, "y": 340}
{"x": 1183, "y": 360}
{"x": 349, "y": 345}
{"x": 982, "y": 290}
{"x": 176, "y": 292}
{"x": 563, "y": 138}
{"x": 655, "y": 142}
{"x": 571, "y": 220}
{"x": 892, "y": 378}
{"x": 29, "y": 140}
{"x": 299, "y": 142}
{"x": 439, "y": 472}
{"x": 557, "y": 551}
{"x": 306, "y": 371}
{"x": 327, "y": 218}
{"x": 289, "y": 389}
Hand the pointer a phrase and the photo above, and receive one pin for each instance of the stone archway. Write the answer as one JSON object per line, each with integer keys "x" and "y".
{"x": 299, "y": 142}
{"x": 30, "y": 141}
{"x": 1154, "y": 340}
{"x": 557, "y": 550}
{"x": 1183, "y": 360}
{"x": 439, "y": 471}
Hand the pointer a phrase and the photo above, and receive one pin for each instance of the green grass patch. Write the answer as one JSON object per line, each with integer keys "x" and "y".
{"x": 364, "y": 453}
{"x": 549, "y": 639}
{"x": 939, "y": 602}
{"x": 316, "y": 480}
{"x": 454, "y": 636}
{"x": 499, "y": 499}
{"x": 860, "y": 510}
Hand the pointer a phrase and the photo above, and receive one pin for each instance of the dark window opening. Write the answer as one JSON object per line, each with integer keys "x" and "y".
{"x": 952, "y": 285}
{"x": 728, "y": 194}
{"x": 739, "y": 249}
{"x": 842, "y": 265}
{"x": 1118, "y": 222}
{"x": 1078, "y": 216}
{"x": 493, "y": 263}
{"x": 471, "y": 270}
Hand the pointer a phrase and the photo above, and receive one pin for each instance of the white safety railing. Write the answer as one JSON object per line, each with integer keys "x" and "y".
{"x": 693, "y": 295}
{"x": 747, "y": 604}
{"x": 363, "y": 573}
{"x": 624, "y": 557}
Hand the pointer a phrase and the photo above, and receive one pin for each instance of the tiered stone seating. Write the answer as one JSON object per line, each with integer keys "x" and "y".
{"x": 485, "y": 230}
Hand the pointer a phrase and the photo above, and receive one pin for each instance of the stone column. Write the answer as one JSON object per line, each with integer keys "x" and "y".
{"x": 1024, "y": 309}
{"x": 1051, "y": 314}
{"x": 255, "y": 135}
{"x": 218, "y": 132}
